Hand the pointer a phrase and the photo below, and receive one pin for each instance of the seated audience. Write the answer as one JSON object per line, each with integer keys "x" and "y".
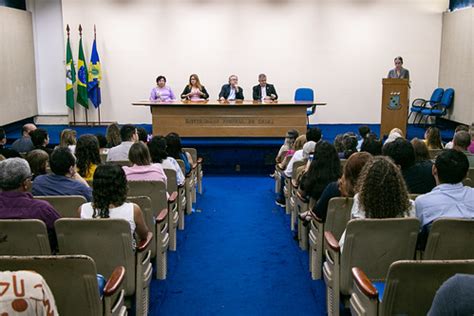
{"x": 287, "y": 146}
{"x": 157, "y": 147}
{"x": 433, "y": 138}
{"x": 449, "y": 198}
{"x": 394, "y": 134}
{"x": 471, "y": 132}
{"x": 40, "y": 139}
{"x": 88, "y": 156}
{"x": 421, "y": 151}
{"x": 102, "y": 143}
{"x": 39, "y": 161}
{"x": 175, "y": 150}
{"x": 15, "y": 200}
{"x": 6, "y": 152}
{"x": 458, "y": 129}
{"x": 112, "y": 135}
{"x": 461, "y": 142}
{"x": 264, "y": 91}
{"x": 349, "y": 142}
{"x": 313, "y": 135}
{"x": 381, "y": 193}
{"x": 372, "y": 145}
{"x": 418, "y": 176}
{"x": 364, "y": 130}
{"x": 338, "y": 144}
{"x": 129, "y": 136}
{"x": 109, "y": 200}
{"x": 142, "y": 168}
{"x": 162, "y": 92}
{"x": 231, "y": 91}
{"x": 64, "y": 180}
{"x": 296, "y": 156}
{"x": 24, "y": 144}
{"x": 142, "y": 134}
{"x": 194, "y": 90}
{"x": 68, "y": 139}
{"x": 454, "y": 297}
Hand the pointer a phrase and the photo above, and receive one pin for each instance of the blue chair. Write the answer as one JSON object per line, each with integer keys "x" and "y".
{"x": 439, "y": 109}
{"x": 420, "y": 104}
{"x": 306, "y": 94}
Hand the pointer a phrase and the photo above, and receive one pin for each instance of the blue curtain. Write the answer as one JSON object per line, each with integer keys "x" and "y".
{"x": 459, "y": 4}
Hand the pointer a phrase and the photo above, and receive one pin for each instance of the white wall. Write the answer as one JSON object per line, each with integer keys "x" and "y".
{"x": 457, "y": 62}
{"x": 342, "y": 49}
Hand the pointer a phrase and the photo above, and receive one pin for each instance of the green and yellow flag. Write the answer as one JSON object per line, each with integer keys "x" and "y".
{"x": 82, "y": 76}
{"x": 70, "y": 77}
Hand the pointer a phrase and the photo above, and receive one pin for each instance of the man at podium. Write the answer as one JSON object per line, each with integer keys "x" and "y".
{"x": 399, "y": 72}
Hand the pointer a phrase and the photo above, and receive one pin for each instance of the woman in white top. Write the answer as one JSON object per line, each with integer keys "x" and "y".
{"x": 157, "y": 147}
{"x": 108, "y": 200}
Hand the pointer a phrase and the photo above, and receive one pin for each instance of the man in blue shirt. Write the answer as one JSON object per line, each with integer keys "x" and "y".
{"x": 449, "y": 198}
{"x": 64, "y": 180}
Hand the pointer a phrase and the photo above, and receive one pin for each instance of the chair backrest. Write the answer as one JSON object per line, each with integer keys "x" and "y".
{"x": 172, "y": 183}
{"x": 450, "y": 239}
{"x": 338, "y": 215}
{"x": 145, "y": 205}
{"x": 447, "y": 99}
{"x": 72, "y": 280}
{"x": 469, "y": 180}
{"x": 374, "y": 244}
{"x": 65, "y": 205}
{"x": 156, "y": 190}
{"x": 304, "y": 94}
{"x": 411, "y": 285}
{"x": 434, "y": 153}
{"x": 107, "y": 241}
{"x": 436, "y": 96}
{"x": 23, "y": 237}
{"x": 296, "y": 165}
{"x": 121, "y": 163}
{"x": 192, "y": 152}
{"x": 182, "y": 165}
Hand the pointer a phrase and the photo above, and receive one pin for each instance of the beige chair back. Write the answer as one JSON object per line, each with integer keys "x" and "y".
{"x": 338, "y": 215}
{"x": 121, "y": 163}
{"x": 374, "y": 244}
{"x": 469, "y": 180}
{"x": 144, "y": 202}
{"x": 434, "y": 153}
{"x": 192, "y": 152}
{"x": 172, "y": 183}
{"x": 23, "y": 237}
{"x": 156, "y": 190}
{"x": 450, "y": 239}
{"x": 411, "y": 285}
{"x": 72, "y": 280}
{"x": 65, "y": 205}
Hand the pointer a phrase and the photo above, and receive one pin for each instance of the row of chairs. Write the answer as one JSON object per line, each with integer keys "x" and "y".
{"x": 437, "y": 106}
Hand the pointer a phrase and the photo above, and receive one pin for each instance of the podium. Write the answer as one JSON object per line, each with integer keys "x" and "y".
{"x": 395, "y": 103}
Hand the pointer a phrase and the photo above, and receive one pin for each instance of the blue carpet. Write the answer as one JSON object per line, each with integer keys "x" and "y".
{"x": 237, "y": 256}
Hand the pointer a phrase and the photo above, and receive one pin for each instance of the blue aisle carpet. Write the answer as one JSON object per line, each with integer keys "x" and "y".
{"x": 237, "y": 256}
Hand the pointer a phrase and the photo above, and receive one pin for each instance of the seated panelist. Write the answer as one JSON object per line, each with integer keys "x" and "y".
{"x": 194, "y": 91}
{"x": 264, "y": 91}
{"x": 231, "y": 91}
{"x": 162, "y": 92}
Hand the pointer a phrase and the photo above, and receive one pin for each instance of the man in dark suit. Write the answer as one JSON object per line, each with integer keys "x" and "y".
{"x": 264, "y": 91}
{"x": 231, "y": 91}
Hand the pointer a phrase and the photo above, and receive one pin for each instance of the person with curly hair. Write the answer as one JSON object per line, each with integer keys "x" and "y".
{"x": 88, "y": 156}
{"x": 433, "y": 138}
{"x": 109, "y": 197}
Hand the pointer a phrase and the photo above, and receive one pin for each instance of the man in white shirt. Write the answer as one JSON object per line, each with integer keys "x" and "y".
{"x": 129, "y": 136}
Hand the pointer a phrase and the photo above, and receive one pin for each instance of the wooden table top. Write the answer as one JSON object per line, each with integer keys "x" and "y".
{"x": 227, "y": 103}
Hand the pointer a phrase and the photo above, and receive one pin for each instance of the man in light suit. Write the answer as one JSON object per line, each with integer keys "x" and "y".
{"x": 231, "y": 91}
{"x": 264, "y": 91}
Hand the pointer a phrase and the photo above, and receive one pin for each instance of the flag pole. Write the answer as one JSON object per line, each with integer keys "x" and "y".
{"x": 98, "y": 108}
{"x": 85, "y": 109}
{"x": 74, "y": 108}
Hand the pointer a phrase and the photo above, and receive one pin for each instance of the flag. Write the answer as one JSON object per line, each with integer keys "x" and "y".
{"x": 93, "y": 86}
{"x": 70, "y": 76}
{"x": 82, "y": 76}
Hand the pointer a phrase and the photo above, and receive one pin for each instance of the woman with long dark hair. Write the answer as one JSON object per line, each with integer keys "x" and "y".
{"x": 175, "y": 150}
{"x": 157, "y": 147}
{"x": 88, "y": 156}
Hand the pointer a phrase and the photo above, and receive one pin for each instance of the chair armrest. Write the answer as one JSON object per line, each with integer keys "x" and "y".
{"x": 188, "y": 175}
{"x": 364, "y": 284}
{"x": 173, "y": 197}
{"x": 200, "y": 160}
{"x": 294, "y": 183}
{"x": 332, "y": 241}
{"x": 316, "y": 218}
{"x": 162, "y": 215}
{"x": 194, "y": 166}
{"x": 143, "y": 244}
{"x": 115, "y": 281}
{"x": 181, "y": 186}
{"x": 301, "y": 197}
{"x": 423, "y": 102}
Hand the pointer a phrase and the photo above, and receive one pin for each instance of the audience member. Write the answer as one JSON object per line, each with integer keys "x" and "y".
{"x": 461, "y": 142}
{"x": 313, "y": 135}
{"x": 108, "y": 200}
{"x": 142, "y": 134}
{"x": 394, "y": 134}
{"x": 349, "y": 142}
{"x": 175, "y": 150}
{"x": 339, "y": 145}
{"x": 471, "y": 132}
{"x": 287, "y": 146}
{"x": 64, "y": 180}
{"x": 102, "y": 142}
{"x": 454, "y": 297}
{"x": 129, "y": 136}
{"x": 157, "y": 147}
{"x": 364, "y": 130}
{"x": 457, "y": 129}
{"x": 113, "y": 135}
{"x": 372, "y": 145}
{"x": 287, "y": 164}
{"x": 6, "y": 152}
{"x": 421, "y": 151}
{"x": 449, "y": 198}
{"x": 68, "y": 139}
{"x": 38, "y": 160}
{"x": 15, "y": 200}
{"x": 88, "y": 156}
{"x": 142, "y": 168}
{"x": 40, "y": 139}
{"x": 433, "y": 138}
{"x": 418, "y": 176}
{"x": 24, "y": 144}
